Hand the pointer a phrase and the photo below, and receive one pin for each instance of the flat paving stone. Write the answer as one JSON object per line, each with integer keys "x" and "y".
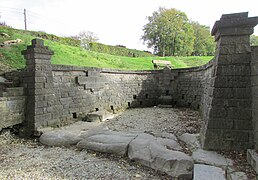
{"x": 207, "y": 172}
{"x": 211, "y": 158}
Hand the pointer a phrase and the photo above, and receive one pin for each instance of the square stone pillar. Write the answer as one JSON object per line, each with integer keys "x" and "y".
{"x": 38, "y": 83}
{"x": 228, "y": 116}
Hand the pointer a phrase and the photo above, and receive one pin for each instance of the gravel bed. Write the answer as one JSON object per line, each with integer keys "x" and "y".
{"x": 28, "y": 159}
{"x": 170, "y": 120}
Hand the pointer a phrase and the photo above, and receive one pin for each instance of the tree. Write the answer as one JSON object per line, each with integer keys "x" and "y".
{"x": 254, "y": 40}
{"x": 169, "y": 33}
{"x": 86, "y": 37}
{"x": 204, "y": 43}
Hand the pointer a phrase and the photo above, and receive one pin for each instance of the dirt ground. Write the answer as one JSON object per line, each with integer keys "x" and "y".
{"x": 28, "y": 159}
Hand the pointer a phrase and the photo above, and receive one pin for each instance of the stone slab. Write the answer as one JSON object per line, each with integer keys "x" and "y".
{"x": 146, "y": 150}
{"x": 211, "y": 158}
{"x": 69, "y": 135}
{"x": 107, "y": 142}
{"x": 204, "y": 172}
{"x": 252, "y": 159}
{"x": 191, "y": 140}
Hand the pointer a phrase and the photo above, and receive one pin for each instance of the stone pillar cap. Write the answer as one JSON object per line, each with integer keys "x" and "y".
{"x": 37, "y": 46}
{"x": 234, "y": 20}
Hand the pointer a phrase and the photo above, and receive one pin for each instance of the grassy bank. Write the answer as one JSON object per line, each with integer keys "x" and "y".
{"x": 73, "y": 55}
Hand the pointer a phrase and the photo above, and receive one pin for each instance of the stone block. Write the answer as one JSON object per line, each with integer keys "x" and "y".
{"x": 224, "y": 93}
{"x": 243, "y": 48}
{"x": 244, "y": 58}
{"x": 227, "y": 49}
{"x": 235, "y": 135}
{"x": 220, "y": 123}
{"x": 204, "y": 172}
{"x": 218, "y": 112}
{"x": 211, "y": 158}
{"x": 240, "y": 113}
{"x": 252, "y": 159}
{"x": 243, "y": 93}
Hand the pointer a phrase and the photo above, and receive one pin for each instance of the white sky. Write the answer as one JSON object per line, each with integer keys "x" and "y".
{"x": 115, "y": 22}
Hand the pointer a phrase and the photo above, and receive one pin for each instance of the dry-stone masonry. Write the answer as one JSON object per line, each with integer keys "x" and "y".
{"x": 227, "y": 109}
{"x": 225, "y": 89}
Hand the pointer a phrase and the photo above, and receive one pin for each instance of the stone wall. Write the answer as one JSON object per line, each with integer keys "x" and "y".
{"x": 80, "y": 90}
{"x": 12, "y": 103}
{"x": 228, "y": 111}
{"x": 254, "y": 81}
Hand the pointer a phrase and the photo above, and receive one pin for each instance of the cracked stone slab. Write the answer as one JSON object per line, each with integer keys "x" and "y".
{"x": 148, "y": 151}
{"x": 107, "y": 142}
{"x": 191, "y": 140}
{"x": 211, "y": 158}
{"x": 204, "y": 172}
{"x": 59, "y": 138}
{"x": 69, "y": 135}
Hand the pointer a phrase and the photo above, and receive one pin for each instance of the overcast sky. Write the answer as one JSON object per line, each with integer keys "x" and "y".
{"x": 115, "y": 22}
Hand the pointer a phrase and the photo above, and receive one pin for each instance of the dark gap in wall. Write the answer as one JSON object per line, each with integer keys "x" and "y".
{"x": 198, "y": 106}
{"x": 75, "y": 115}
{"x": 183, "y": 96}
{"x": 189, "y": 104}
{"x": 139, "y": 84}
{"x": 97, "y": 109}
{"x": 86, "y": 73}
{"x": 195, "y": 97}
{"x": 129, "y": 104}
{"x": 112, "y": 107}
{"x": 146, "y": 96}
{"x": 134, "y": 96}
{"x": 167, "y": 92}
{"x": 140, "y": 102}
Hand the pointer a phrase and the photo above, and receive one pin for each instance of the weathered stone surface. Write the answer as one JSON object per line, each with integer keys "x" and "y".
{"x": 108, "y": 142}
{"x": 146, "y": 150}
{"x": 2, "y": 79}
{"x": 232, "y": 174}
{"x": 191, "y": 140}
{"x": 99, "y": 116}
{"x": 252, "y": 159}
{"x": 66, "y": 136}
{"x": 204, "y": 172}
{"x": 211, "y": 158}
{"x": 59, "y": 138}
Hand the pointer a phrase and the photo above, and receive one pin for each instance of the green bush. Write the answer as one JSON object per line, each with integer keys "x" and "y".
{"x": 118, "y": 50}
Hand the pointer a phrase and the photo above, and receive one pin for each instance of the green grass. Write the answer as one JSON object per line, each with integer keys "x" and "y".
{"x": 71, "y": 55}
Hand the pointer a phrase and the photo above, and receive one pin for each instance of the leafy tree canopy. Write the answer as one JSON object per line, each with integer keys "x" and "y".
{"x": 204, "y": 43}
{"x": 254, "y": 40}
{"x": 169, "y": 32}
{"x": 86, "y": 37}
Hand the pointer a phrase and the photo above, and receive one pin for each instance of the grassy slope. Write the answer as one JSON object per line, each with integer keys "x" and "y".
{"x": 70, "y": 55}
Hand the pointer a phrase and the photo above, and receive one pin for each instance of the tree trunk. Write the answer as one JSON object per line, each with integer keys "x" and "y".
{"x": 164, "y": 51}
{"x": 174, "y": 47}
